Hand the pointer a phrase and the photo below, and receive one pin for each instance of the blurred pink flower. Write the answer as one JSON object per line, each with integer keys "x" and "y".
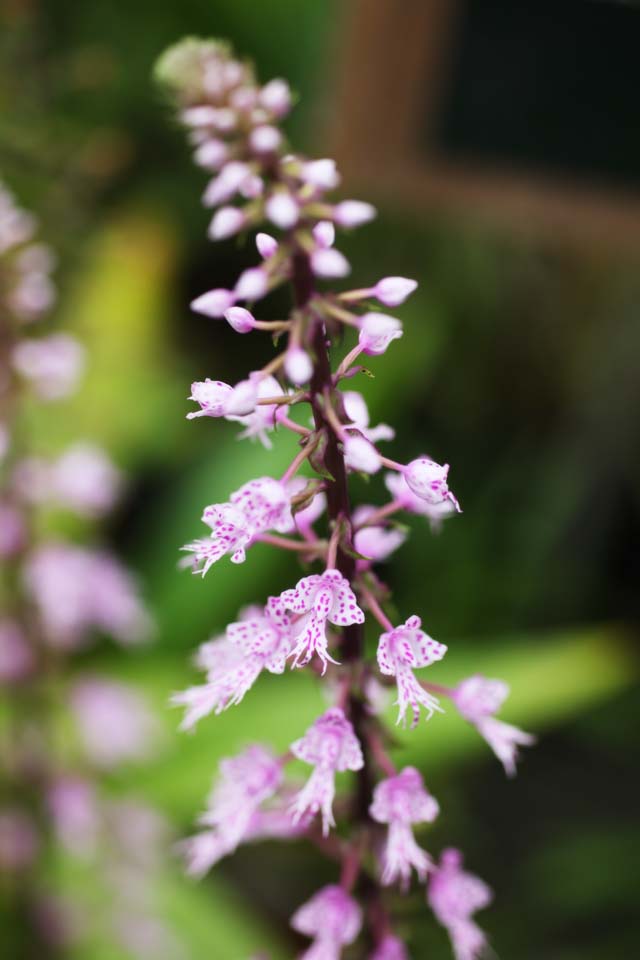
{"x": 260, "y": 641}
{"x": 245, "y": 782}
{"x": 477, "y": 699}
{"x": 391, "y": 948}
{"x": 330, "y": 746}
{"x": 52, "y": 364}
{"x": 332, "y": 918}
{"x": 17, "y": 659}
{"x": 74, "y": 810}
{"x": 77, "y": 591}
{"x": 401, "y": 801}
{"x": 454, "y": 896}
{"x": 114, "y": 721}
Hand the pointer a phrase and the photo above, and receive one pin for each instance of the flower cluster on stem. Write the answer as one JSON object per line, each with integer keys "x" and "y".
{"x": 233, "y": 124}
{"x": 55, "y": 597}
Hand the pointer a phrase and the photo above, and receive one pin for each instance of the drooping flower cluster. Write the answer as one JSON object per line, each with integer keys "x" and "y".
{"x": 55, "y": 596}
{"x": 232, "y": 123}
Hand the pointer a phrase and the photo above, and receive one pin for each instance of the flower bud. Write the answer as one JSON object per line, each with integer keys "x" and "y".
{"x": 298, "y": 366}
{"x": 324, "y": 234}
{"x": 267, "y": 245}
{"x": 427, "y": 479}
{"x": 211, "y": 154}
{"x": 243, "y": 98}
{"x": 199, "y": 116}
{"x": 252, "y": 187}
{"x": 282, "y": 210}
{"x": 265, "y": 139}
{"x": 224, "y": 120}
{"x": 377, "y": 330}
{"x": 327, "y": 262}
{"x": 240, "y": 319}
{"x": 353, "y": 213}
{"x": 275, "y": 97}
{"x": 252, "y": 284}
{"x": 226, "y": 222}
{"x": 226, "y": 184}
{"x": 392, "y": 291}
{"x": 214, "y": 303}
{"x": 212, "y": 396}
{"x": 321, "y": 174}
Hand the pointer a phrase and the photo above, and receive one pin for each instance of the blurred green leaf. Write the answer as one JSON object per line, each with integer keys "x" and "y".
{"x": 119, "y": 308}
{"x": 553, "y": 679}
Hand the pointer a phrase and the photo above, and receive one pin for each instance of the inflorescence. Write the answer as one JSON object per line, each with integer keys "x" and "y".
{"x": 56, "y": 596}
{"x": 233, "y": 125}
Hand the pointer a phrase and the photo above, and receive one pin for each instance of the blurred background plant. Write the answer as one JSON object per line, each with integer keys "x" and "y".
{"x": 520, "y": 368}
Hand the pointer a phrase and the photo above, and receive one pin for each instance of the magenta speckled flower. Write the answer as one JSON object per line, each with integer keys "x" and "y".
{"x": 212, "y": 396}
{"x": 454, "y": 896}
{"x": 477, "y": 699}
{"x": 257, "y": 642}
{"x": 428, "y": 480}
{"x": 265, "y": 504}
{"x": 400, "y": 652}
{"x": 260, "y": 505}
{"x": 319, "y": 599}
{"x": 401, "y": 801}
{"x": 404, "y": 496}
{"x": 332, "y": 918}
{"x": 330, "y": 746}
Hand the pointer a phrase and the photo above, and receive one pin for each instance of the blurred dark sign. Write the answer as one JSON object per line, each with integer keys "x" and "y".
{"x": 520, "y": 110}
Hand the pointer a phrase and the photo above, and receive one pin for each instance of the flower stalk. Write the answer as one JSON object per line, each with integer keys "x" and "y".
{"x": 320, "y": 622}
